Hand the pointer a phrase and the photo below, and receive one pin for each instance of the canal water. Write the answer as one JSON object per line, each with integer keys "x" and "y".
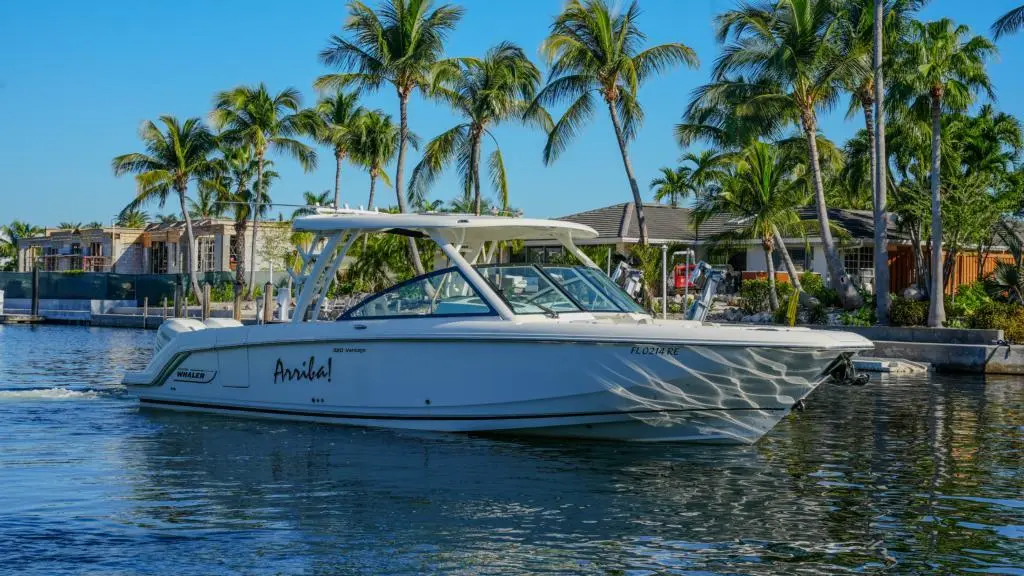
{"x": 919, "y": 474}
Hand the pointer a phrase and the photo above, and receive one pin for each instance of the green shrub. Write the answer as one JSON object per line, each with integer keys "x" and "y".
{"x": 814, "y": 285}
{"x": 906, "y": 312}
{"x": 1001, "y": 316}
{"x": 755, "y": 296}
{"x": 817, "y": 315}
{"x": 863, "y": 316}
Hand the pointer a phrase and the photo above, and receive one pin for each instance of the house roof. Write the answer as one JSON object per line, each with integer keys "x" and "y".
{"x": 671, "y": 224}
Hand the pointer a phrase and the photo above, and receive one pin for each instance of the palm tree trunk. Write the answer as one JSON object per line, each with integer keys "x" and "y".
{"x": 936, "y": 307}
{"x": 920, "y": 270}
{"x": 881, "y": 179}
{"x": 475, "y": 171}
{"x": 339, "y": 156}
{"x": 773, "y": 296}
{"x": 840, "y": 280}
{"x": 794, "y": 277}
{"x": 403, "y": 137}
{"x": 190, "y": 237}
{"x": 240, "y": 256}
{"x": 373, "y": 186}
{"x": 257, "y": 202}
{"x": 638, "y": 201}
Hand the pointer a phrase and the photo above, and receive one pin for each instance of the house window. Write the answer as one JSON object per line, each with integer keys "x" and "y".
{"x": 233, "y": 251}
{"x": 76, "y": 256}
{"x": 859, "y": 259}
{"x": 96, "y": 253}
{"x": 206, "y": 253}
{"x": 799, "y": 257}
{"x": 50, "y": 255}
{"x": 158, "y": 258}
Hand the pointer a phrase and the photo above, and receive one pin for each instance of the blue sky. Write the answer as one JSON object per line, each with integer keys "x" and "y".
{"x": 78, "y": 78}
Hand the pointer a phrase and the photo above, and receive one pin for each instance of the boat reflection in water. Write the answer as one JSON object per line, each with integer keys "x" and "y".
{"x": 845, "y": 485}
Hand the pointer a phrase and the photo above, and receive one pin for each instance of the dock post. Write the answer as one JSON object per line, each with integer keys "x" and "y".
{"x": 35, "y": 291}
{"x": 177, "y": 300}
{"x": 268, "y": 302}
{"x": 206, "y": 301}
{"x": 165, "y": 307}
{"x": 237, "y": 313}
{"x": 145, "y": 310}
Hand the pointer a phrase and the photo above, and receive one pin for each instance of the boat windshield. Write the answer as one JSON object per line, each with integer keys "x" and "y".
{"x": 527, "y": 289}
{"x": 593, "y": 290}
{"x": 441, "y": 293}
{"x": 557, "y": 289}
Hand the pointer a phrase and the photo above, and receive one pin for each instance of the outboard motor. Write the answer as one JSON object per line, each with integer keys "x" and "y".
{"x": 172, "y": 327}
{"x": 708, "y": 279}
{"x": 629, "y": 279}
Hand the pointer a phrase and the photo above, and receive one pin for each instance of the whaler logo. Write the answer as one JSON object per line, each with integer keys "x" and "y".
{"x": 194, "y": 375}
{"x": 308, "y": 372}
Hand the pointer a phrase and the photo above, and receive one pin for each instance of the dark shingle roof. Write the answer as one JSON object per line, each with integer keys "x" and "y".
{"x": 676, "y": 224}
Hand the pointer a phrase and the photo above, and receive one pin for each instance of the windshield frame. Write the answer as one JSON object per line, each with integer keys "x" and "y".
{"x": 347, "y": 315}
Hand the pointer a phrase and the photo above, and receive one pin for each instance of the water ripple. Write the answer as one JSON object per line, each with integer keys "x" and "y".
{"x": 908, "y": 475}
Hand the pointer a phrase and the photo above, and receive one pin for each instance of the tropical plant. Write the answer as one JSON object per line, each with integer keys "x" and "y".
{"x": 312, "y": 202}
{"x": 167, "y": 218}
{"x": 235, "y": 186}
{"x": 792, "y": 50}
{"x": 338, "y": 117}
{"x": 375, "y": 141}
{"x": 400, "y": 45}
{"x": 673, "y": 185}
{"x": 250, "y": 116}
{"x": 206, "y": 205}
{"x": 75, "y": 227}
{"x": 94, "y": 225}
{"x": 176, "y": 156}
{"x": 940, "y": 69}
{"x": 873, "y": 24}
{"x": 10, "y": 234}
{"x": 764, "y": 196}
{"x": 592, "y": 49}
{"x": 1009, "y": 23}
{"x": 484, "y": 93}
{"x": 134, "y": 218}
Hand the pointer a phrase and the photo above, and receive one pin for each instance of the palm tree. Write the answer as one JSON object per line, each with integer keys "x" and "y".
{"x": 673, "y": 185}
{"x": 75, "y": 227}
{"x": 206, "y": 206}
{"x": 10, "y": 234}
{"x": 592, "y": 49}
{"x": 708, "y": 170}
{"x": 870, "y": 22}
{"x": 252, "y": 116}
{"x": 940, "y": 69}
{"x": 167, "y": 218}
{"x": 1009, "y": 23}
{"x": 765, "y": 197}
{"x": 339, "y": 114}
{"x": 375, "y": 142}
{"x": 792, "y": 50}
{"x": 174, "y": 158}
{"x": 312, "y": 201}
{"x": 485, "y": 93}
{"x": 133, "y": 218}
{"x": 237, "y": 169}
{"x": 400, "y": 45}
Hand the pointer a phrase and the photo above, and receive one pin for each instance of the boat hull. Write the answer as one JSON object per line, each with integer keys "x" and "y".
{"x": 601, "y": 390}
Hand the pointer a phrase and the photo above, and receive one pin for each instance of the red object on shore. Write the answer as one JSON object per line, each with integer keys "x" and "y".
{"x": 683, "y": 275}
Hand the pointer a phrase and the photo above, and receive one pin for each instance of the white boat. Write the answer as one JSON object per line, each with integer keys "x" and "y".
{"x": 480, "y": 347}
